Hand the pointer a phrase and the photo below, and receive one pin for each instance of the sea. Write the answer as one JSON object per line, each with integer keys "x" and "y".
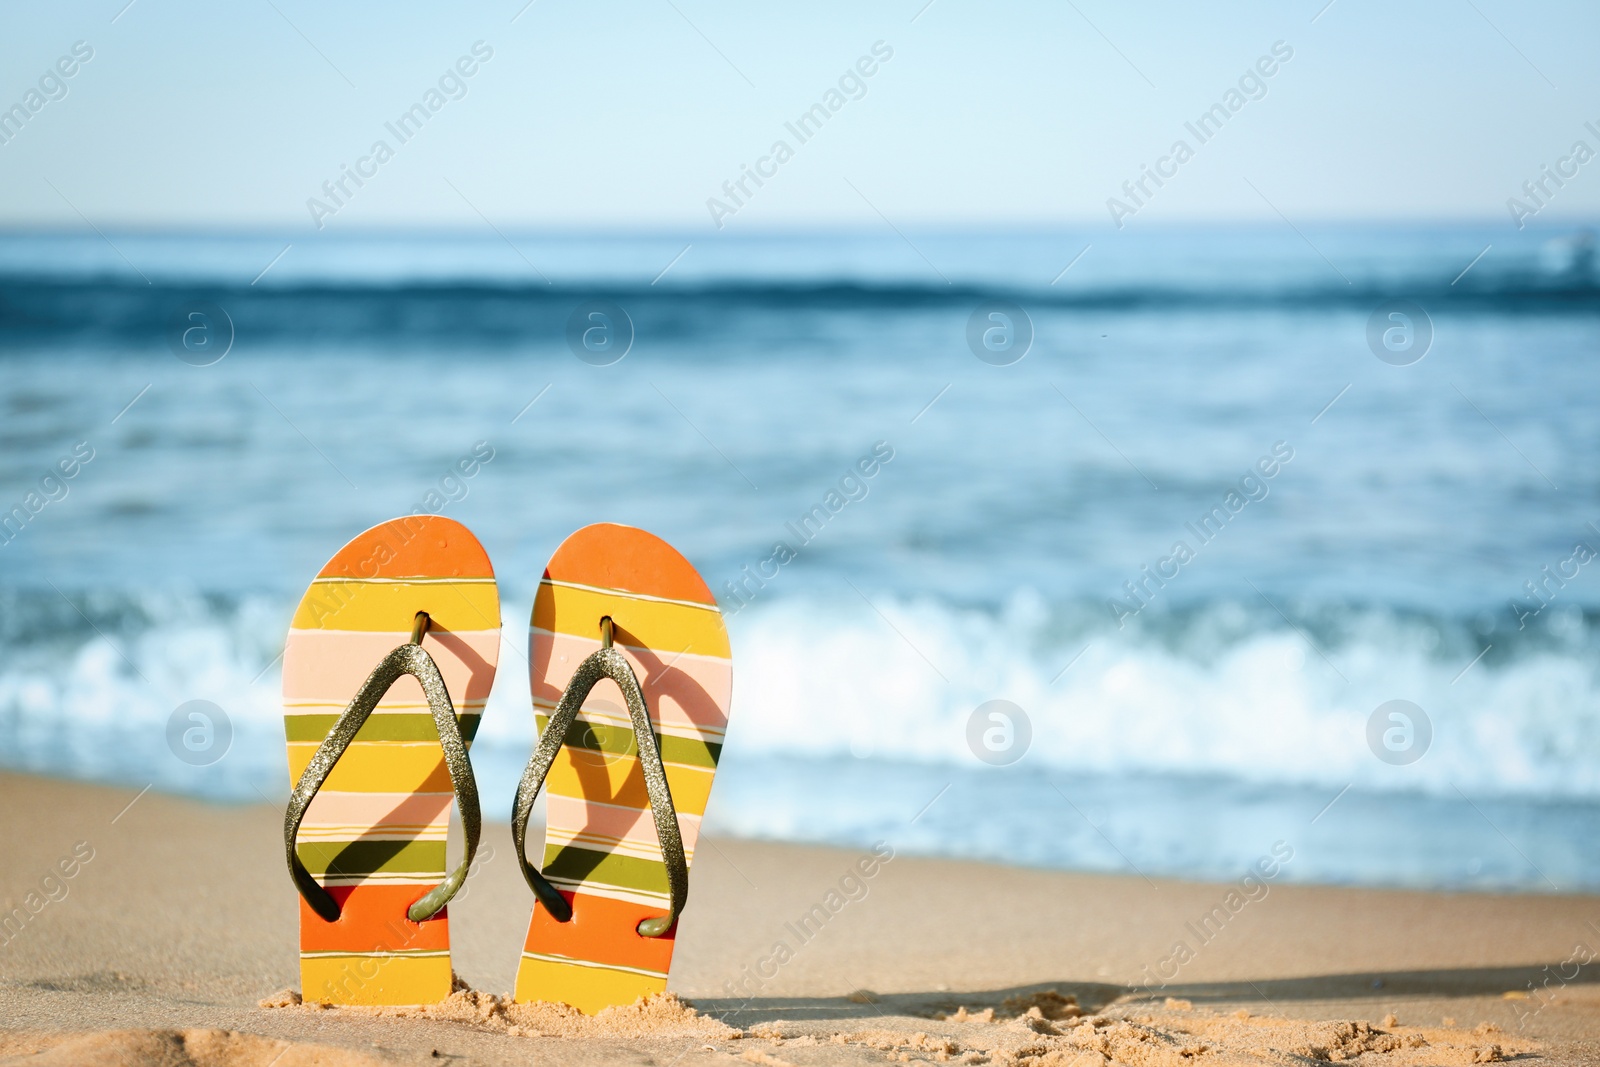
{"x": 1176, "y": 544}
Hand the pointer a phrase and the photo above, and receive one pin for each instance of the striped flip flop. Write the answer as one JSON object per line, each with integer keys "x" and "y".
{"x": 631, "y": 679}
{"x": 389, "y": 661}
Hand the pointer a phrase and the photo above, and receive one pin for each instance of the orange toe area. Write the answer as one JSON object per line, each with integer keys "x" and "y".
{"x": 611, "y": 556}
{"x": 602, "y": 931}
{"x": 372, "y": 918}
{"x": 417, "y": 545}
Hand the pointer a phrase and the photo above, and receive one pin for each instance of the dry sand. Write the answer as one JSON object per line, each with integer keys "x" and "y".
{"x": 167, "y": 944}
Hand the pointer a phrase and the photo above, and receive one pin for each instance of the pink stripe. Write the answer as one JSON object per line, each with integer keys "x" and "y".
{"x": 379, "y": 809}
{"x": 330, "y": 665}
{"x": 627, "y": 824}
{"x": 693, "y": 692}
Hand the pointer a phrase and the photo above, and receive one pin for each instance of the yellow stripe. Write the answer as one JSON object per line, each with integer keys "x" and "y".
{"x": 379, "y": 767}
{"x": 697, "y": 605}
{"x": 347, "y": 604}
{"x": 588, "y": 989}
{"x": 663, "y": 626}
{"x": 584, "y": 776}
{"x": 360, "y": 979}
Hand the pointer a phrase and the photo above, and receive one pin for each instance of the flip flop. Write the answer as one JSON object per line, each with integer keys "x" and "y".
{"x": 389, "y": 661}
{"x": 631, "y": 678}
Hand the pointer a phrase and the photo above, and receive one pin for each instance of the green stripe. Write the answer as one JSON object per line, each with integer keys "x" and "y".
{"x": 619, "y": 741}
{"x": 385, "y": 727}
{"x": 347, "y": 858}
{"x": 577, "y": 864}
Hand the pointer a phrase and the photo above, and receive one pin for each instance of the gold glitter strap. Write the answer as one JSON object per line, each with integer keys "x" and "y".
{"x": 606, "y": 663}
{"x": 409, "y": 659}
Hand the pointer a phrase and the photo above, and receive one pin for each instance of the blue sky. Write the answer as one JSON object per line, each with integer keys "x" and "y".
{"x": 634, "y": 115}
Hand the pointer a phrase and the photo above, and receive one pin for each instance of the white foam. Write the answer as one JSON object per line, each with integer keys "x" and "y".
{"x": 1264, "y": 706}
{"x": 1218, "y": 694}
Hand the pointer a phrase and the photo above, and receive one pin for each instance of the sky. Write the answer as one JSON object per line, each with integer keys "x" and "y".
{"x": 633, "y": 115}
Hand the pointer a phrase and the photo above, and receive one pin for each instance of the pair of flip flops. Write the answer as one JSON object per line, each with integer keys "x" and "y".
{"x": 389, "y": 663}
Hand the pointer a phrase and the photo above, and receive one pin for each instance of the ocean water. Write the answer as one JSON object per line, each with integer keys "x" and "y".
{"x": 1424, "y": 535}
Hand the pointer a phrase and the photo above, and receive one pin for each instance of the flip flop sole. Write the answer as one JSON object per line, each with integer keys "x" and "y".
{"x": 375, "y": 833}
{"x": 601, "y": 849}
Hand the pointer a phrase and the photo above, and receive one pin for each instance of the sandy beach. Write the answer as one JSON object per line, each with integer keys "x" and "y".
{"x": 177, "y": 922}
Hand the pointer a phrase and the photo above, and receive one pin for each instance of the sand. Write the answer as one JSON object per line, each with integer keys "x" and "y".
{"x": 172, "y": 942}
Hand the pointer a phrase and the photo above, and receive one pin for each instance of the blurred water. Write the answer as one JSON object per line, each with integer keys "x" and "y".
{"x": 1380, "y": 562}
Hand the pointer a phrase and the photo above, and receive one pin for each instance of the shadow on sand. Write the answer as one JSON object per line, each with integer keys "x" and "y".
{"x": 1093, "y": 996}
